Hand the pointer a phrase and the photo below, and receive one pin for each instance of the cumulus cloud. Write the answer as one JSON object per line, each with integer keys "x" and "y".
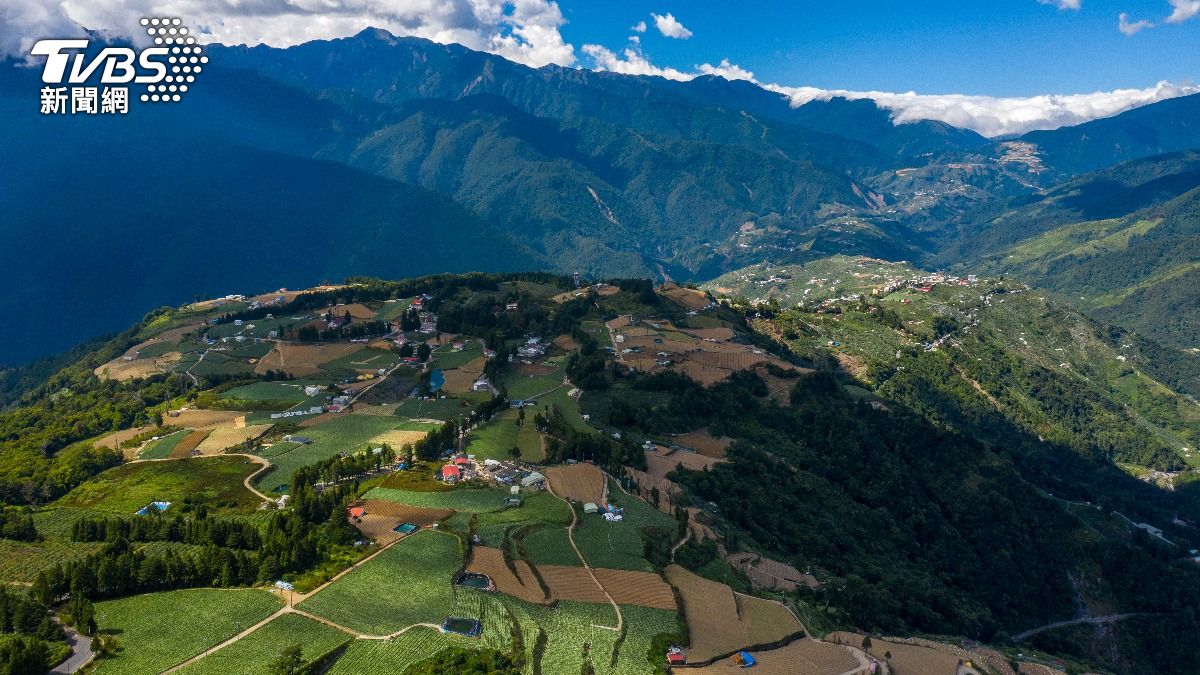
{"x": 1063, "y": 4}
{"x": 669, "y": 26}
{"x": 1183, "y": 10}
{"x": 630, "y": 62}
{"x": 1130, "y": 27}
{"x": 727, "y": 70}
{"x": 526, "y": 31}
{"x": 639, "y": 27}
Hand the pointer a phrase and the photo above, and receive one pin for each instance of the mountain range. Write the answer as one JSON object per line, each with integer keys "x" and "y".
{"x": 399, "y": 156}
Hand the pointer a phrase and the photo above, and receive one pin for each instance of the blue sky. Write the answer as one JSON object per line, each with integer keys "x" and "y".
{"x": 994, "y": 48}
{"x": 996, "y": 66}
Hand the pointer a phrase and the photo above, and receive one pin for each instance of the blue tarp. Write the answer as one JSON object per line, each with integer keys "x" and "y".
{"x": 746, "y": 659}
{"x": 436, "y": 380}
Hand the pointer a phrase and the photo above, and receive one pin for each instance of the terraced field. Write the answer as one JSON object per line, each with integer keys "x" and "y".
{"x": 406, "y": 584}
{"x": 159, "y": 630}
{"x": 387, "y": 657}
{"x": 620, "y": 545}
{"x": 162, "y": 448}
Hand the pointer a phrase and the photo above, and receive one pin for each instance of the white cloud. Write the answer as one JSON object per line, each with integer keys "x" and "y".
{"x": 639, "y": 27}
{"x": 1063, "y": 4}
{"x": 630, "y": 62}
{"x": 998, "y": 116}
{"x": 526, "y": 31}
{"x": 989, "y": 115}
{"x": 669, "y": 26}
{"x": 727, "y": 70}
{"x": 1131, "y": 27}
{"x": 1183, "y": 10}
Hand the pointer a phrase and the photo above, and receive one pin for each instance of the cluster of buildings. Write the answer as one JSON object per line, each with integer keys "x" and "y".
{"x": 534, "y": 348}
{"x": 509, "y": 473}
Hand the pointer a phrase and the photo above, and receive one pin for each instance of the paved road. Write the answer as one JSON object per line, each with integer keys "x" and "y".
{"x": 81, "y": 652}
{"x": 1087, "y": 619}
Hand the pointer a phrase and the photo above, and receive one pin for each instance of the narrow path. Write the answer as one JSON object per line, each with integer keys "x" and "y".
{"x": 1095, "y": 620}
{"x": 264, "y": 463}
{"x": 81, "y": 651}
{"x": 283, "y": 610}
{"x": 571, "y": 537}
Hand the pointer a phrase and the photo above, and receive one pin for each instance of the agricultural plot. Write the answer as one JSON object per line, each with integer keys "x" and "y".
{"x": 432, "y": 409}
{"x": 497, "y": 438}
{"x": 907, "y": 658}
{"x": 158, "y": 630}
{"x": 345, "y": 433}
{"x": 255, "y": 653}
{"x": 704, "y": 443}
{"x": 162, "y": 448}
{"x": 21, "y": 561}
{"x": 661, "y": 461}
{"x": 116, "y": 438}
{"x": 362, "y": 361}
{"x": 387, "y": 657}
{"x": 268, "y": 391}
{"x": 202, "y": 419}
{"x": 224, "y": 438}
{"x": 577, "y": 482}
{"x": 185, "y": 447}
{"x": 301, "y": 360}
{"x": 521, "y": 584}
{"x": 644, "y": 589}
{"x": 382, "y": 517}
{"x": 447, "y": 359}
{"x": 470, "y": 500}
{"x": 620, "y": 545}
{"x": 805, "y": 657}
{"x": 721, "y": 622}
{"x": 569, "y": 405}
{"x": 406, "y": 584}
{"x": 550, "y": 546}
{"x": 129, "y": 487}
{"x": 523, "y": 382}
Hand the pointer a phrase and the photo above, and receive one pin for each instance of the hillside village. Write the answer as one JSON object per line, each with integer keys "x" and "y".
{"x": 482, "y": 479}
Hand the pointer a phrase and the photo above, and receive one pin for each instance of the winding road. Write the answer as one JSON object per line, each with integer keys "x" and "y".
{"x": 1095, "y": 620}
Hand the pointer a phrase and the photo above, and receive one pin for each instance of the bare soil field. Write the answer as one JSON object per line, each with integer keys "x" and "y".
{"x": 223, "y": 438}
{"x": 523, "y": 585}
{"x": 661, "y": 461}
{"x": 704, "y": 443}
{"x": 712, "y": 615}
{"x": 646, "y": 484}
{"x": 571, "y": 583}
{"x": 722, "y": 622}
{"x": 705, "y": 375}
{"x": 383, "y": 515}
{"x": 802, "y": 657}
{"x": 458, "y": 381}
{"x": 907, "y": 658}
{"x": 310, "y": 422}
{"x": 721, "y": 334}
{"x": 767, "y": 573}
{"x": 120, "y": 370}
{"x": 619, "y": 322}
{"x": 184, "y": 448}
{"x": 206, "y": 419}
{"x": 358, "y": 311}
{"x": 398, "y": 438}
{"x": 766, "y": 621}
{"x": 645, "y": 589}
{"x": 116, "y": 438}
{"x": 579, "y": 482}
{"x": 302, "y": 360}
{"x": 687, "y": 298}
{"x": 566, "y": 343}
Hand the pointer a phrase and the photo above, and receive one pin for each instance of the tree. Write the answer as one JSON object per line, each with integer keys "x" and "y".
{"x": 866, "y": 643}
{"x": 289, "y": 662}
{"x": 515, "y": 453}
{"x": 423, "y": 352}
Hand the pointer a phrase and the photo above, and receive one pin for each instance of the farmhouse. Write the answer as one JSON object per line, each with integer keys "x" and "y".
{"x": 451, "y": 473}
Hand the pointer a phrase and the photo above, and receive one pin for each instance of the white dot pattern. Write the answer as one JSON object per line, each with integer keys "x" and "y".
{"x": 185, "y": 61}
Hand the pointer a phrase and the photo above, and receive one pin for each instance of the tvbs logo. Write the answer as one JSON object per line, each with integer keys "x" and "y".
{"x": 164, "y": 72}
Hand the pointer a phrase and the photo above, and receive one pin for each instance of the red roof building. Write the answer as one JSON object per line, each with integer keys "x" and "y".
{"x": 358, "y": 511}
{"x": 461, "y": 461}
{"x": 450, "y": 471}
